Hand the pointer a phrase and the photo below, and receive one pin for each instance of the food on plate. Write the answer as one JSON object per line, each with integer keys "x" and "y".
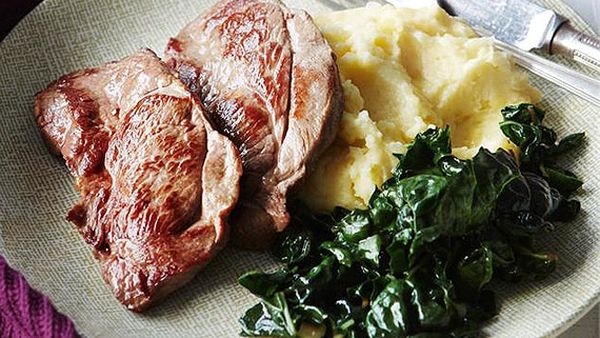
{"x": 268, "y": 80}
{"x": 404, "y": 70}
{"x": 418, "y": 260}
{"x": 435, "y": 184}
{"x": 156, "y": 180}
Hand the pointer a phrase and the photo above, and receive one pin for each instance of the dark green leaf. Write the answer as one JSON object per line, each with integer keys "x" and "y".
{"x": 398, "y": 252}
{"x": 544, "y": 199}
{"x": 321, "y": 274}
{"x": 569, "y": 143}
{"x": 567, "y": 211}
{"x": 368, "y": 250}
{"x": 294, "y": 244}
{"x": 475, "y": 269}
{"x": 493, "y": 173}
{"x": 565, "y": 181}
{"x": 310, "y": 313}
{"x": 355, "y": 226}
{"x": 419, "y": 193}
{"x": 524, "y": 113}
{"x": 269, "y": 318}
{"x": 426, "y": 150}
{"x": 343, "y": 255}
{"x": 382, "y": 213}
{"x": 263, "y": 284}
{"x": 368, "y": 290}
{"x": 536, "y": 265}
{"x": 388, "y": 316}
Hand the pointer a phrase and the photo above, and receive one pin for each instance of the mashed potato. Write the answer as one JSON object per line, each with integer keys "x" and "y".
{"x": 403, "y": 70}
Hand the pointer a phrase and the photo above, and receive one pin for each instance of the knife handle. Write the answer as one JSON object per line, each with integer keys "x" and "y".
{"x": 580, "y": 47}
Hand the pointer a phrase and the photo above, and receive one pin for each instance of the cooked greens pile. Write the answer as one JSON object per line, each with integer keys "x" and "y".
{"x": 417, "y": 262}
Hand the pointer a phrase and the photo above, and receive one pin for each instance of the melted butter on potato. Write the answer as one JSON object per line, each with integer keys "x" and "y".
{"x": 402, "y": 71}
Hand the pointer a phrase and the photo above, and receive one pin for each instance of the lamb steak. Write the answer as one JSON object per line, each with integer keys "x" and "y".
{"x": 269, "y": 81}
{"x": 156, "y": 180}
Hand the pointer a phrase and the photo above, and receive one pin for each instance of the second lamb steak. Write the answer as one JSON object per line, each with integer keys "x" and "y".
{"x": 269, "y": 81}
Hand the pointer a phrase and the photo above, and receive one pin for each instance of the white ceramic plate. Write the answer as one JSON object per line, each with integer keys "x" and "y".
{"x": 36, "y": 190}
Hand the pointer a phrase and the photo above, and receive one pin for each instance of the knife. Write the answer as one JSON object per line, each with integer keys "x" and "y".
{"x": 528, "y": 26}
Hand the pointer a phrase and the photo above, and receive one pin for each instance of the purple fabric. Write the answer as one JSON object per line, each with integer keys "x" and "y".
{"x": 26, "y": 313}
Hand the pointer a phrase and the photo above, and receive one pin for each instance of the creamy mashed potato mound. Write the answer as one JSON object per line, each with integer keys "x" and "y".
{"x": 403, "y": 70}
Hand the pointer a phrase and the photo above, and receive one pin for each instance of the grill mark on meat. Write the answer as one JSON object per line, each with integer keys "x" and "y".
{"x": 155, "y": 206}
{"x": 240, "y": 131}
{"x": 268, "y": 81}
{"x": 85, "y": 153}
{"x": 289, "y": 89}
{"x": 174, "y": 44}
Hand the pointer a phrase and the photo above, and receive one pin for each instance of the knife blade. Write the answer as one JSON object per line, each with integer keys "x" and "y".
{"x": 527, "y": 26}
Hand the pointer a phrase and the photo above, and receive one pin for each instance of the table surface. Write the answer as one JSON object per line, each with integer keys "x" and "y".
{"x": 11, "y": 11}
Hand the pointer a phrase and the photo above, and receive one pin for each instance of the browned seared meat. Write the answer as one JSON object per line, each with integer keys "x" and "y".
{"x": 269, "y": 81}
{"x": 156, "y": 181}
